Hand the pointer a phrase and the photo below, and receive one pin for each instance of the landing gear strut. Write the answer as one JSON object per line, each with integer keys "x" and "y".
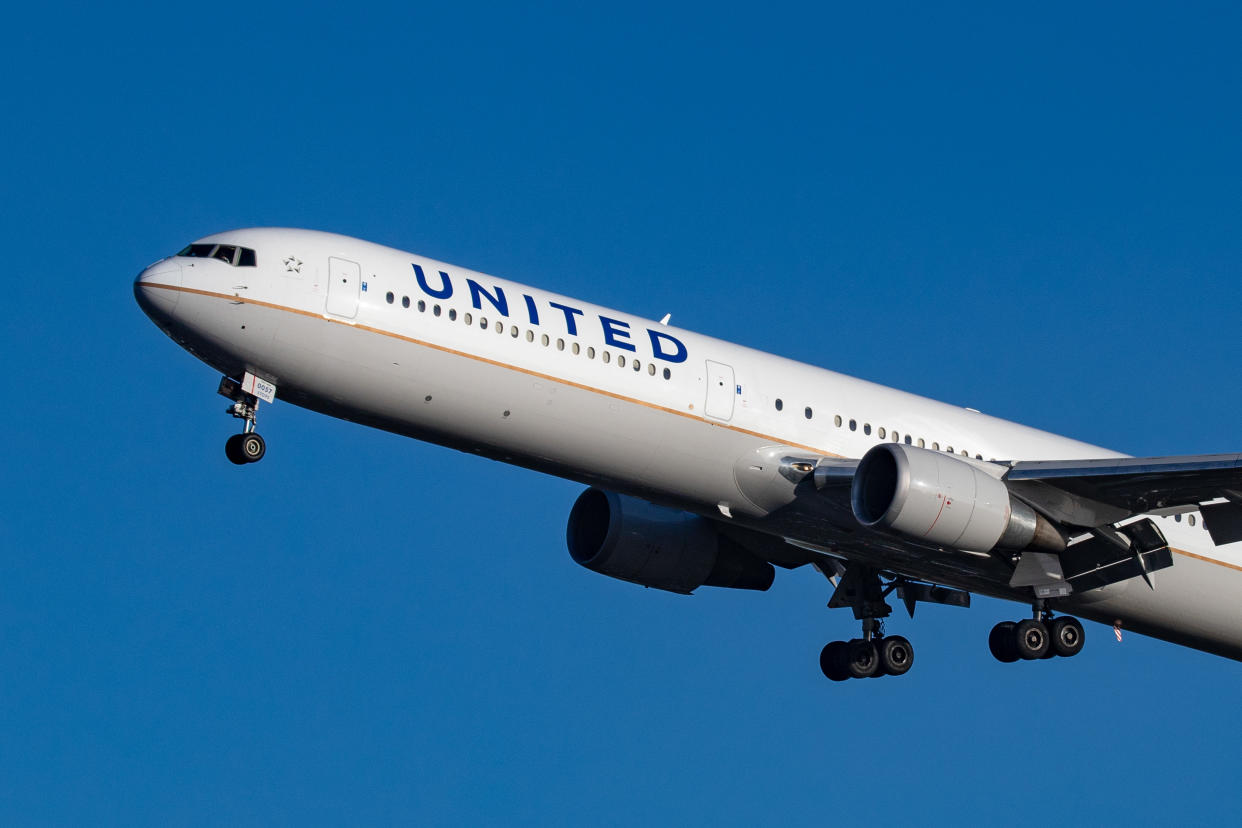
{"x": 874, "y": 654}
{"x": 247, "y": 447}
{"x": 1040, "y": 636}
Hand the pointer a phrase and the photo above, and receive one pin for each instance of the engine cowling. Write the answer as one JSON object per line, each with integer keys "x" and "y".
{"x": 631, "y": 539}
{"x": 941, "y": 499}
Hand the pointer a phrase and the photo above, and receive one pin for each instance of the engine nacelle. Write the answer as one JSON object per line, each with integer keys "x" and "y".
{"x": 938, "y": 498}
{"x": 631, "y": 539}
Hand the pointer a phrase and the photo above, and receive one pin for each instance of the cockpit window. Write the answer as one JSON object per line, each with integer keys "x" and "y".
{"x": 228, "y": 253}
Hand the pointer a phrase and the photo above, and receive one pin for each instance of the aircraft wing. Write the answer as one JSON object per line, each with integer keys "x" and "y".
{"x": 1094, "y": 493}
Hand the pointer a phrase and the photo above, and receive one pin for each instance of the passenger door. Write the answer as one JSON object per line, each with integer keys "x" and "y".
{"x": 344, "y": 278}
{"x": 720, "y": 391}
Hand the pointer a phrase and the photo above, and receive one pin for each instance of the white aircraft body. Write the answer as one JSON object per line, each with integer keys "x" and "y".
{"x": 709, "y": 462}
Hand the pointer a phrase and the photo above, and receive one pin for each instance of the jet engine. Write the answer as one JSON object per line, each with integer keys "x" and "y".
{"x": 938, "y": 498}
{"x": 631, "y": 539}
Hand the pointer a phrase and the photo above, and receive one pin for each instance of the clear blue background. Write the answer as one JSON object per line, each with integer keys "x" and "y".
{"x": 1033, "y": 213}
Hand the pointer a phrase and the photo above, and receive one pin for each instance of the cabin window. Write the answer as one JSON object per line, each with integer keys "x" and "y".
{"x": 513, "y": 331}
{"x": 452, "y": 314}
{"x": 921, "y": 443}
{"x": 544, "y": 340}
{"x": 651, "y": 368}
{"x": 667, "y": 373}
{"x": 620, "y": 360}
{"x": 638, "y": 366}
{"x": 500, "y": 327}
{"x": 422, "y": 306}
{"x": 881, "y": 433}
{"x": 435, "y": 309}
{"x": 530, "y": 336}
{"x": 576, "y": 348}
{"x": 560, "y": 344}
{"x": 867, "y": 428}
{"x": 1190, "y": 519}
{"x": 780, "y": 404}
{"x": 390, "y": 298}
{"x": 590, "y": 352}
{"x": 605, "y": 356}
{"x": 245, "y": 257}
{"x": 909, "y": 441}
{"x": 853, "y": 425}
{"x": 807, "y": 412}
{"x": 935, "y": 446}
{"x": 483, "y": 322}
{"x": 468, "y": 319}
{"x": 836, "y": 421}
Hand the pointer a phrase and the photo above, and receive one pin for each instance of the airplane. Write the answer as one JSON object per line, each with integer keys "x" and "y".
{"x": 712, "y": 464}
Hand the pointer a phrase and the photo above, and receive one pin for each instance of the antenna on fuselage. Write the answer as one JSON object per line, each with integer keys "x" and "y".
{"x": 667, "y": 317}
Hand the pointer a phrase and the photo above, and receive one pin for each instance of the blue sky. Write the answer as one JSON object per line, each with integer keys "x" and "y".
{"x": 1033, "y": 213}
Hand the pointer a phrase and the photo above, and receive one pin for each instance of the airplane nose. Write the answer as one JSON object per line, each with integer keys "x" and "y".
{"x": 156, "y": 290}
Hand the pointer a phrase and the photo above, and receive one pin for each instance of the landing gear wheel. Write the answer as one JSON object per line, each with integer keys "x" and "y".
{"x": 896, "y": 655}
{"x": 252, "y": 447}
{"x": 1030, "y": 639}
{"x": 861, "y": 659}
{"x": 832, "y": 660}
{"x": 232, "y": 450}
{"x": 1002, "y": 643}
{"x": 1067, "y": 636}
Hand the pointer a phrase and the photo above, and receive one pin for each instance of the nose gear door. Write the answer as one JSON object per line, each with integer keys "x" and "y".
{"x": 344, "y": 278}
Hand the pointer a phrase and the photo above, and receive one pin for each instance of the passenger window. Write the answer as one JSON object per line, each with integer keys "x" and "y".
{"x": 560, "y": 344}
{"x": 405, "y": 301}
{"x": 935, "y": 446}
{"x": 667, "y": 373}
{"x": 513, "y": 331}
{"x": 530, "y": 336}
{"x": 606, "y": 357}
{"x": 651, "y": 368}
{"x": 390, "y": 298}
{"x": 908, "y": 440}
{"x": 867, "y": 428}
{"x": 638, "y": 366}
{"x": 500, "y": 327}
{"x": 836, "y": 421}
{"x": 779, "y": 404}
{"x": 435, "y": 309}
{"x": 544, "y": 340}
{"x": 1190, "y": 519}
{"x": 452, "y": 314}
{"x": 949, "y": 449}
{"x": 620, "y": 360}
{"x": 422, "y": 306}
{"x": 921, "y": 443}
{"x": 468, "y": 319}
{"x": 881, "y": 433}
{"x": 482, "y": 321}
{"x": 806, "y": 412}
{"x": 576, "y": 348}
{"x": 853, "y": 425}
{"x": 590, "y": 352}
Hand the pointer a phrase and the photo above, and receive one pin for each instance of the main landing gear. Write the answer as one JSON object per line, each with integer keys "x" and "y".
{"x": 1041, "y": 636}
{"x": 247, "y": 447}
{"x": 863, "y": 590}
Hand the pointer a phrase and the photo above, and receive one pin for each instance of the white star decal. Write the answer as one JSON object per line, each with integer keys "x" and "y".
{"x": 293, "y": 264}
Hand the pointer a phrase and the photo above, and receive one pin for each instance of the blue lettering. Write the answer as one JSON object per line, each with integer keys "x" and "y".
{"x": 679, "y": 355}
{"x": 614, "y": 328}
{"x": 531, "y": 311}
{"x": 499, "y": 302}
{"x": 446, "y": 287}
{"x": 570, "y": 324}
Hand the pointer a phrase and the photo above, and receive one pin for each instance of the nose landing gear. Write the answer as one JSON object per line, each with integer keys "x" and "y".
{"x": 247, "y": 447}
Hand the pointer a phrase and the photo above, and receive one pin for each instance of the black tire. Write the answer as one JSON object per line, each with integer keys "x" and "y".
{"x": 896, "y": 655}
{"x": 1031, "y": 639}
{"x": 832, "y": 660}
{"x": 252, "y": 447}
{"x": 232, "y": 450}
{"x": 1067, "y": 636}
{"x": 1001, "y": 643}
{"x": 861, "y": 659}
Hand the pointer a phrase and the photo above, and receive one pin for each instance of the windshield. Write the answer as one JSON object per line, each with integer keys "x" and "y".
{"x": 228, "y": 253}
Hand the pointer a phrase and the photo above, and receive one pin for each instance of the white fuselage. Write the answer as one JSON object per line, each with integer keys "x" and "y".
{"x": 437, "y": 352}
